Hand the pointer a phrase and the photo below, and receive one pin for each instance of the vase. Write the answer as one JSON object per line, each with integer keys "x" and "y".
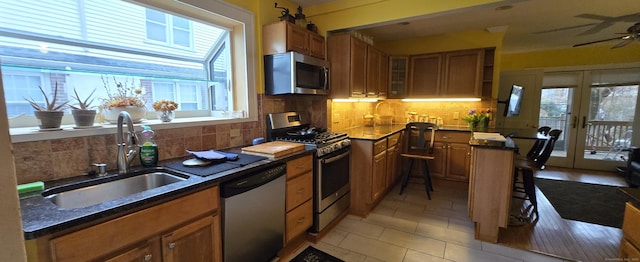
{"x": 483, "y": 125}
{"x": 473, "y": 126}
{"x": 136, "y": 113}
{"x": 49, "y": 120}
{"x": 83, "y": 117}
{"x": 166, "y": 116}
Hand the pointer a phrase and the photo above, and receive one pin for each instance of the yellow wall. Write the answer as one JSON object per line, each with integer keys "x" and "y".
{"x": 346, "y": 14}
{"x": 600, "y": 54}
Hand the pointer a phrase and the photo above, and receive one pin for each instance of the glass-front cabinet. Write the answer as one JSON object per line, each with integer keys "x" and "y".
{"x": 398, "y": 72}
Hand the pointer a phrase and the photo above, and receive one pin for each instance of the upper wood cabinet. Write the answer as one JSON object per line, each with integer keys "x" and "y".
{"x": 283, "y": 37}
{"x": 357, "y": 68}
{"x": 398, "y": 76}
{"x": 448, "y": 74}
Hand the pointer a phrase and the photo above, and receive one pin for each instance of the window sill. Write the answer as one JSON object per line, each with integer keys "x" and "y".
{"x": 29, "y": 134}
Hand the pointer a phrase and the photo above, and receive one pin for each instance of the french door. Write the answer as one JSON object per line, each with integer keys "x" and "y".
{"x": 596, "y": 110}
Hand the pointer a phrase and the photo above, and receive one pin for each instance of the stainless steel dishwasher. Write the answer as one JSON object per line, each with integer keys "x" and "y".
{"x": 253, "y": 215}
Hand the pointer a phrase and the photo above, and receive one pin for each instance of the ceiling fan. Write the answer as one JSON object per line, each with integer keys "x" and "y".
{"x": 633, "y": 33}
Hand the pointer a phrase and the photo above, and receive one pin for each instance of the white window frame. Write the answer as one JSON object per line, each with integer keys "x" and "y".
{"x": 243, "y": 76}
{"x": 168, "y": 30}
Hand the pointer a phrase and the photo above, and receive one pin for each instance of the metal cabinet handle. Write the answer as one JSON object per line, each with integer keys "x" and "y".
{"x": 300, "y": 220}
{"x": 147, "y": 257}
{"x": 584, "y": 122}
{"x": 171, "y": 245}
{"x": 300, "y": 191}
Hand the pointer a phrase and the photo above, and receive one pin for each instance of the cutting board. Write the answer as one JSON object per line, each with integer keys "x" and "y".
{"x": 273, "y": 149}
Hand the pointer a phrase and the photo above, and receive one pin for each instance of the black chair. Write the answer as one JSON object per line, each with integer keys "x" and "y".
{"x": 527, "y": 169}
{"x": 539, "y": 144}
{"x": 419, "y": 137}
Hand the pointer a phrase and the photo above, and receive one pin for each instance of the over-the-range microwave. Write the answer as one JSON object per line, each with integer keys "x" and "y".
{"x": 295, "y": 73}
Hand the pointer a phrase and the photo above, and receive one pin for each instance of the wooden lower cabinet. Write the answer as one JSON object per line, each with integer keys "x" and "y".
{"x": 299, "y": 193}
{"x": 452, "y": 154}
{"x": 373, "y": 171}
{"x": 630, "y": 244}
{"x": 183, "y": 229}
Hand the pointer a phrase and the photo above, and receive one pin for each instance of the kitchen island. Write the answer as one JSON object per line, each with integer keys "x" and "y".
{"x": 490, "y": 186}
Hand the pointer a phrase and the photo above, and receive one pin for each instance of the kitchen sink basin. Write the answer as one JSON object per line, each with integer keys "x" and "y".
{"x": 105, "y": 189}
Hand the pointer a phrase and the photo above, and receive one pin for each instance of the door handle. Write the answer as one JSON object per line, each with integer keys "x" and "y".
{"x": 575, "y": 122}
{"x": 584, "y": 122}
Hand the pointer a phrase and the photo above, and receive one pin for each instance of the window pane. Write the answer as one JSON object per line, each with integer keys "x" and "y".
{"x": 104, "y": 42}
{"x": 156, "y": 32}
{"x": 155, "y": 16}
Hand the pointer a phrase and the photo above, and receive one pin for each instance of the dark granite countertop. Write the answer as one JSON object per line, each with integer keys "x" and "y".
{"x": 633, "y": 193}
{"x": 41, "y": 217}
{"x": 506, "y": 145}
{"x": 382, "y": 131}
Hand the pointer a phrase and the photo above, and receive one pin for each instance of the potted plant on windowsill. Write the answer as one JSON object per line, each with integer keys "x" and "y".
{"x": 83, "y": 113}
{"x": 50, "y": 115}
{"x": 125, "y": 97}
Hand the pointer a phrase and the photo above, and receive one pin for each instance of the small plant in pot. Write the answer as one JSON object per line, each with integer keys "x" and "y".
{"x": 50, "y": 115}
{"x": 83, "y": 113}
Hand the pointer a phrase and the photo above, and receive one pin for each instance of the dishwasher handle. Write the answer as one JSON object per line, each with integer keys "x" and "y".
{"x": 251, "y": 181}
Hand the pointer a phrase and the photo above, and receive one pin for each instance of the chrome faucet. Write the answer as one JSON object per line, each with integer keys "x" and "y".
{"x": 125, "y": 158}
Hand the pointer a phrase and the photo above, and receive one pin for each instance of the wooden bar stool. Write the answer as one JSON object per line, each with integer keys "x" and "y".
{"x": 419, "y": 137}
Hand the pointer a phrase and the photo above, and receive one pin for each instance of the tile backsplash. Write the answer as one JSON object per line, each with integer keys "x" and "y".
{"x": 346, "y": 115}
{"x": 60, "y": 158}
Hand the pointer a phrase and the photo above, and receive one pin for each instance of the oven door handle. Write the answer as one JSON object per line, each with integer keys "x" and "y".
{"x": 335, "y": 158}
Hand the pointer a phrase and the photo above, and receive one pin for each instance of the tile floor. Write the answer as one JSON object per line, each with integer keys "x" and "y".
{"x": 410, "y": 228}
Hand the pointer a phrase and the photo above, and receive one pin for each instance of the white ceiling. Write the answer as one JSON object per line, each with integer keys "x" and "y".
{"x": 530, "y": 24}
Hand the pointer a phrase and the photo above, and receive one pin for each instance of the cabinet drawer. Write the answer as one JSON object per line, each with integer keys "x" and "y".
{"x": 298, "y": 166}
{"x": 298, "y": 220}
{"x": 453, "y": 137}
{"x": 379, "y": 146}
{"x": 627, "y": 250}
{"x": 630, "y": 225}
{"x": 393, "y": 139}
{"x": 299, "y": 190}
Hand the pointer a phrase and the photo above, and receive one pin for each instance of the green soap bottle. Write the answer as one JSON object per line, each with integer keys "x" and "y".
{"x": 148, "y": 149}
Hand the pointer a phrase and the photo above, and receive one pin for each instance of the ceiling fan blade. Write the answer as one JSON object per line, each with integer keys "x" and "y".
{"x": 599, "y": 27}
{"x": 599, "y": 41}
{"x": 623, "y": 43}
{"x": 563, "y": 28}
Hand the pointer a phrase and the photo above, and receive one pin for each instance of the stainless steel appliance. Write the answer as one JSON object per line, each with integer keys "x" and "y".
{"x": 253, "y": 215}
{"x": 294, "y": 73}
{"x": 332, "y": 163}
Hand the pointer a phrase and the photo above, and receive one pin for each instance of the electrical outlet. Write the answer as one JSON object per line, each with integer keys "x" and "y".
{"x": 456, "y": 115}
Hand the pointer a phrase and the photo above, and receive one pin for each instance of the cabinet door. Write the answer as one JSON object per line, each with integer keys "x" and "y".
{"x": 198, "y": 241}
{"x": 425, "y": 75}
{"x": 299, "y": 190}
{"x": 358, "y": 68}
{"x": 437, "y": 166}
{"x": 298, "y": 220}
{"x": 628, "y": 252}
{"x": 149, "y": 251}
{"x": 376, "y": 72}
{"x": 297, "y": 39}
{"x": 316, "y": 46}
{"x": 463, "y": 74}
{"x": 398, "y": 76}
{"x": 458, "y": 161}
{"x": 392, "y": 165}
{"x": 379, "y": 180}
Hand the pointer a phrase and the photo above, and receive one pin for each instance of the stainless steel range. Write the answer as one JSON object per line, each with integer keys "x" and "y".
{"x": 332, "y": 162}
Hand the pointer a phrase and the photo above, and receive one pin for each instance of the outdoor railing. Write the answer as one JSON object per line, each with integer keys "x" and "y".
{"x": 601, "y": 135}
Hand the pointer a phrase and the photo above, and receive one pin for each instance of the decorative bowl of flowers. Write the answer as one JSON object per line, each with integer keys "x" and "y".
{"x": 478, "y": 121}
{"x": 125, "y": 97}
{"x": 165, "y": 108}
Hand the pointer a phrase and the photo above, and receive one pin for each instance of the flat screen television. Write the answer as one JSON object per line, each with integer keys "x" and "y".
{"x": 514, "y": 101}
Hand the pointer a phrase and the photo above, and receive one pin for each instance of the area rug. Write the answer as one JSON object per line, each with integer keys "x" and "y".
{"x": 596, "y": 204}
{"x": 311, "y": 254}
